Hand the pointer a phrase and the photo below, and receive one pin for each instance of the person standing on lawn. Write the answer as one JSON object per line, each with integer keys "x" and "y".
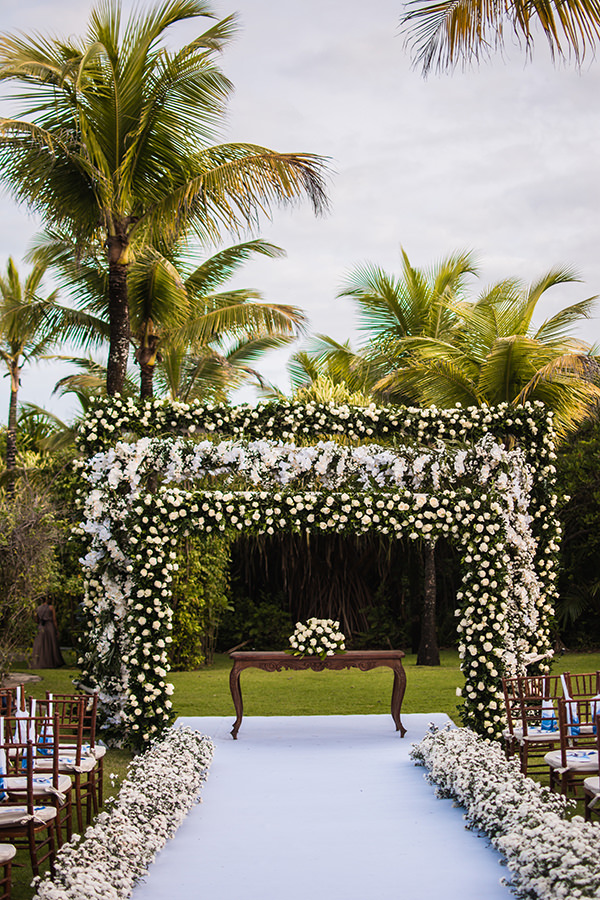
{"x": 46, "y": 649}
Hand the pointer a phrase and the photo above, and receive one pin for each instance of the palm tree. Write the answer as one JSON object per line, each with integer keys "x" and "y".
{"x": 327, "y": 372}
{"x": 29, "y": 325}
{"x": 443, "y": 33}
{"x": 495, "y": 354}
{"x": 119, "y": 146}
{"x": 394, "y": 309}
{"x": 431, "y": 346}
{"x": 211, "y": 335}
{"x": 199, "y": 341}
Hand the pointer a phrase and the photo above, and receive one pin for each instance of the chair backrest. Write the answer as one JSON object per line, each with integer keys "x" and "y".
{"x": 582, "y": 684}
{"x": 69, "y": 715}
{"x": 19, "y": 771}
{"x": 7, "y": 701}
{"x": 546, "y": 687}
{"x": 90, "y": 711}
{"x": 512, "y": 702}
{"x": 38, "y": 730}
{"x": 577, "y": 724}
{"x": 538, "y": 695}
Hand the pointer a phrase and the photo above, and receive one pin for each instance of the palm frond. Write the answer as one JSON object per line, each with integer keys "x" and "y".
{"x": 559, "y": 326}
{"x": 445, "y": 33}
{"x": 223, "y": 265}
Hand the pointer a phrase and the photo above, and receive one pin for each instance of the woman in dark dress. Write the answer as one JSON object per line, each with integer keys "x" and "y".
{"x": 46, "y": 649}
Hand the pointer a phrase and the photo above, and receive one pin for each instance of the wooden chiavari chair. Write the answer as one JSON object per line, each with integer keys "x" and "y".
{"x": 27, "y": 824}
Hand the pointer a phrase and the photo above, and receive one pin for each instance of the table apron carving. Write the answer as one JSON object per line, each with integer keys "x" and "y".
{"x": 276, "y": 661}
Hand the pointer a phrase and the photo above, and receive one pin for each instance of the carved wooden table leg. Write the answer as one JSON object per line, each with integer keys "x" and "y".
{"x": 398, "y": 696}
{"x": 236, "y": 693}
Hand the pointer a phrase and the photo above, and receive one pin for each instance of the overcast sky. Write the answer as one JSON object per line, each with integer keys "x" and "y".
{"x": 502, "y": 160}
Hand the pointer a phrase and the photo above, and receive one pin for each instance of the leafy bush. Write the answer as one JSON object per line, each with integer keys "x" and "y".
{"x": 578, "y": 474}
{"x": 200, "y": 597}
{"x": 28, "y": 535}
{"x": 261, "y": 625}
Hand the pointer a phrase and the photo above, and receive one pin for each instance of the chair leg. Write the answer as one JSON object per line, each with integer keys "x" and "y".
{"x": 53, "y": 847}
{"x": 6, "y": 881}
{"x": 35, "y": 868}
{"x": 523, "y": 755}
{"x": 64, "y": 819}
{"x": 78, "y": 801}
{"x": 91, "y": 797}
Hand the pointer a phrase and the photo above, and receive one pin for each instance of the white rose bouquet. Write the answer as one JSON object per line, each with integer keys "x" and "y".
{"x": 318, "y": 637}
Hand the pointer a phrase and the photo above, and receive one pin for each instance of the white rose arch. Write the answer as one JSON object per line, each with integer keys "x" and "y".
{"x": 481, "y": 477}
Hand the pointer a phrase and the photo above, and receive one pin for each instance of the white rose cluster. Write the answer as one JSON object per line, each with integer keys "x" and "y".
{"x": 317, "y": 637}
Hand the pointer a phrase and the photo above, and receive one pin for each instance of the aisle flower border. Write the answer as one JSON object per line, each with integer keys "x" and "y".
{"x": 459, "y": 491}
{"x": 550, "y": 856}
{"x": 161, "y": 787}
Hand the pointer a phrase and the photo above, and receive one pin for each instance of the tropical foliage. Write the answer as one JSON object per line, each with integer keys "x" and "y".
{"x": 578, "y": 607}
{"x": 200, "y": 597}
{"x": 444, "y": 33}
{"x": 116, "y": 147}
{"x": 30, "y": 324}
{"x": 190, "y": 338}
{"x": 427, "y": 343}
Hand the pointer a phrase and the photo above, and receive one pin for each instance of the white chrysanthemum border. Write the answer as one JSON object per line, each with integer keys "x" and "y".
{"x": 161, "y": 787}
{"x": 550, "y": 856}
{"x": 504, "y": 607}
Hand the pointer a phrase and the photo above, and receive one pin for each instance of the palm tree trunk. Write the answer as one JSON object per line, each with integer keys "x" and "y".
{"x": 118, "y": 311}
{"x": 11, "y": 434}
{"x": 146, "y": 381}
{"x": 429, "y": 654}
{"x": 147, "y": 356}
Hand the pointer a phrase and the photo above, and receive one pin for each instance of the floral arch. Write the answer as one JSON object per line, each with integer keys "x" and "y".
{"x": 481, "y": 477}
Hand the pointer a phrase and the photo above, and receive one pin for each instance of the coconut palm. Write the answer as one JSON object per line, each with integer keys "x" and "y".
{"x": 432, "y": 346}
{"x": 212, "y": 335}
{"x": 393, "y": 309}
{"x": 496, "y": 354}
{"x": 200, "y": 341}
{"x": 443, "y": 33}
{"x": 29, "y": 325}
{"x": 117, "y": 143}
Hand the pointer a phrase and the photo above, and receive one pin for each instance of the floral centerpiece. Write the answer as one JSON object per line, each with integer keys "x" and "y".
{"x": 318, "y": 637}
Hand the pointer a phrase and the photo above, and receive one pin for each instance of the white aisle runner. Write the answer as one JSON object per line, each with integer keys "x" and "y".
{"x": 321, "y": 806}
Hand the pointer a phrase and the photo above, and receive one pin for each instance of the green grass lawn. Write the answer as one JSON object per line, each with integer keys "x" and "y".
{"x": 205, "y": 692}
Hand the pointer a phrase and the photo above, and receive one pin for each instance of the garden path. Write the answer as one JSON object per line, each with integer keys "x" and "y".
{"x": 327, "y": 806}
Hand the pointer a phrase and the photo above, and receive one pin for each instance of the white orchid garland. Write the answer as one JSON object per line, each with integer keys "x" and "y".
{"x": 161, "y": 787}
{"x": 550, "y": 856}
{"x": 490, "y": 502}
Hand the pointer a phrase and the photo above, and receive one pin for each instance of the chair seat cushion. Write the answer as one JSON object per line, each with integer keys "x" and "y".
{"x": 592, "y": 785}
{"x": 42, "y": 784}
{"x": 7, "y": 852}
{"x": 539, "y": 736}
{"x": 580, "y": 760}
{"x": 65, "y": 764}
{"x": 97, "y": 751}
{"x": 18, "y": 815}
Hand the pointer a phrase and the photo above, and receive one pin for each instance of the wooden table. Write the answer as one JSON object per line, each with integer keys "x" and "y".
{"x": 276, "y": 661}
